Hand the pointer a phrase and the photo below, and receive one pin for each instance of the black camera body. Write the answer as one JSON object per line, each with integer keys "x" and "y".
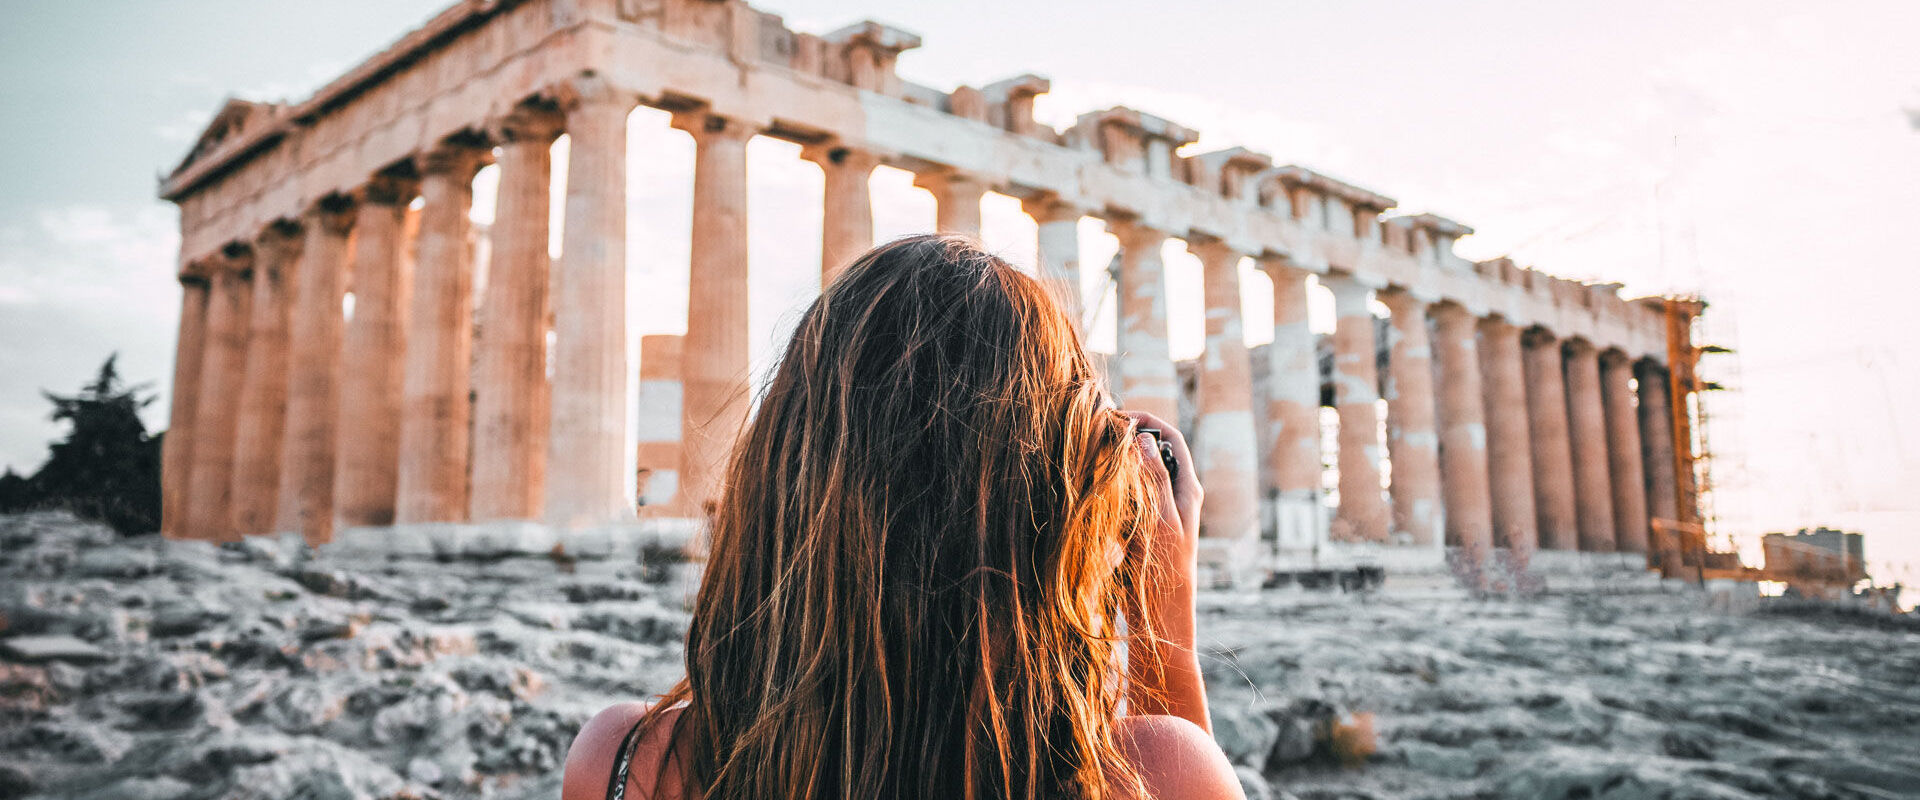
{"x": 1166, "y": 452}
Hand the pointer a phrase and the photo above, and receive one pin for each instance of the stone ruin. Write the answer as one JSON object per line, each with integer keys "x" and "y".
{"x": 1523, "y": 412}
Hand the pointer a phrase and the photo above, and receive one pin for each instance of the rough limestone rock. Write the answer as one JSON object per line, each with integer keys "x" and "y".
{"x": 55, "y": 647}
{"x": 261, "y": 670}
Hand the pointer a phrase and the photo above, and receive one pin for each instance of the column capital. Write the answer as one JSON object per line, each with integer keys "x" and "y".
{"x": 1537, "y": 336}
{"x": 332, "y": 214}
{"x": 1212, "y": 250}
{"x": 390, "y": 188}
{"x": 537, "y": 123}
{"x": 1649, "y": 368}
{"x": 833, "y": 153}
{"x": 1615, "y": 357}
{"x": 1498, "y": 325}
{"x": 948, "y": 179}
{"x": 706, "y": 126}
{"x": 590, "y": 90}
{"x": 1134, "y": 234}
{"x": 280, "y": 239}
{"x": 1448, "y": 312}
{"x": 1346, "y": 287}
{"x": 1281, "y": 267}
{"x": 234, "y": 258}
{"x": 460, "y": 158}
{"x": 1401, "y": 301}
{"x": 1578, "y": 346}
{"x": 1047, "y": 207}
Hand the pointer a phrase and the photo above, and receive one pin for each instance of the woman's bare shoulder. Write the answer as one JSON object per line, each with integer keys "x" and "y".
{"x": 1177, "y": 759}
{"x": 591, "y": 758}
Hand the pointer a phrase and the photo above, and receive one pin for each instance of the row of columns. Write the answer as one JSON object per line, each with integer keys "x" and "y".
{"x": 289, "y": 417}
{"x": 1496, "y": 437}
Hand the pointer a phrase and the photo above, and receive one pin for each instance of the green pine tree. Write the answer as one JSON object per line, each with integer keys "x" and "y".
{"x": 107, "y": 468}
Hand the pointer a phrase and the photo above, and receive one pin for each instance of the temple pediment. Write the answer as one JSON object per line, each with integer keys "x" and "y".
{"x": 235, "y": 120}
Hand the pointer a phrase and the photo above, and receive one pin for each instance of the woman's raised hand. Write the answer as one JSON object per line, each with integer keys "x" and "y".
{"x": 1163, "y": 672}
{"x": 1178, "y": 496}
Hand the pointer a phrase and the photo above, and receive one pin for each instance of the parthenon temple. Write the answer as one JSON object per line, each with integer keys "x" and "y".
{"x": 1496, "y": 410}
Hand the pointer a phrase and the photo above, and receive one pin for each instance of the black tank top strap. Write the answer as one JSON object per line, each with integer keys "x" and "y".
{"x": 623, "y": 766}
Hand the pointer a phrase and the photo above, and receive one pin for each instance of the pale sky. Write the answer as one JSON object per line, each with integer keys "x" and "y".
{"x": 1757, "y": 152}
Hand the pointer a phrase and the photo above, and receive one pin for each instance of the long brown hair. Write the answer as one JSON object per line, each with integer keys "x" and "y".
{"x": 914, "y": 578}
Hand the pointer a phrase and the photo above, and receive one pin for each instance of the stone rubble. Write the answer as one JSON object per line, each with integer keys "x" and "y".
{"x": 257, "y": 670}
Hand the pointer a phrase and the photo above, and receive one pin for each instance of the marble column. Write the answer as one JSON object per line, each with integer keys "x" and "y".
{"x": 1625, "y": 473}
{"x": 1553, "y": 493}
{"x": 1413, "y": 443}
{"x": 1227, "y": 454}
{"x": 1657, "y": 452}
{"x": 1463, "y": 430}
{"x": 313, "y": 390}
{"x": 657, "y": 453}
{"x": 1293, "y": 410}
{"x": 263, "y": 397}
{"x": 1057, "y": 225}
{"x": 510, "y": 353}
{"x": 1362, "y": 515}
{"x": 714, "y": 366}
{"x": 846, "y": 230}
{"x": 189, "y": 350}
{"x": 1509, "y": 442}
{"x": 956, "y": 199}
{"x": 373, "y": 356}
{"x": 435, "y": 409}
{"x": 1587, "y": 426}
{"x": 216, "y": 414}
{"x": 586, "y": 447}
{"x": 1145, "y": 377}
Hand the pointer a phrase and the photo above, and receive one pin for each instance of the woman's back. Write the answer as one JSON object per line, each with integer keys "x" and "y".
{"x": 929, "y": 535}
{"x": 614, "y": 758}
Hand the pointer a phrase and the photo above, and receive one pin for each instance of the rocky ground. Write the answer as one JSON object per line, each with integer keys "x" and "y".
{"x": 130, "y": 668}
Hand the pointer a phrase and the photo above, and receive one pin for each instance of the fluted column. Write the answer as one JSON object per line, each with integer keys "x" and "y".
{"x": 1227, "y": 457}
{"x": 956, "y": 199}
{"x": 1553, "y": 493}
{"x": 714, "y": 364}
{"x": 189, "y": 353}
{"x": 373, "y": 356}
{"x": 263, "y": 397}
{"x": 1625, "y": 473}
{"x": 313, "y": 391}
{"x": 1362, "y": 515}
{"x": 510, "y": 358}
{"x": 1509, "y": 443}
{"x": 1293, "y": 410}
{"x": 216, "y": 414}
{"x": 588, "y": 434}
{"x": 657, "y": 453}
{"x": 1463, "y": 430}
{"x": 1413, "y": 446}
{"x": 1057, "y": 225}
{"x": 435, "y": 410}
{"x": 1657, "y": 452}
{"x": 1146, "y": 380}
{"x": 1587, "y": 424}
{"x": 846, "y": 229}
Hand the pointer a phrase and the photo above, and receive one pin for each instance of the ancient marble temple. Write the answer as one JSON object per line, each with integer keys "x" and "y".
{"x": 1523, "y": 412}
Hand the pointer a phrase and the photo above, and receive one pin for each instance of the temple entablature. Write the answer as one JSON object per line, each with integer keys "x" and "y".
{"x": 479, "y": 61}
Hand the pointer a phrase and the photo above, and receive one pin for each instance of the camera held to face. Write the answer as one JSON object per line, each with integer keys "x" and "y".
{"x": 1166, "y": 453}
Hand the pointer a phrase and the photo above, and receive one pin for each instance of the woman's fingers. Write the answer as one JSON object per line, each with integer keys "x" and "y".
{"x": 1181, "y": 455}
